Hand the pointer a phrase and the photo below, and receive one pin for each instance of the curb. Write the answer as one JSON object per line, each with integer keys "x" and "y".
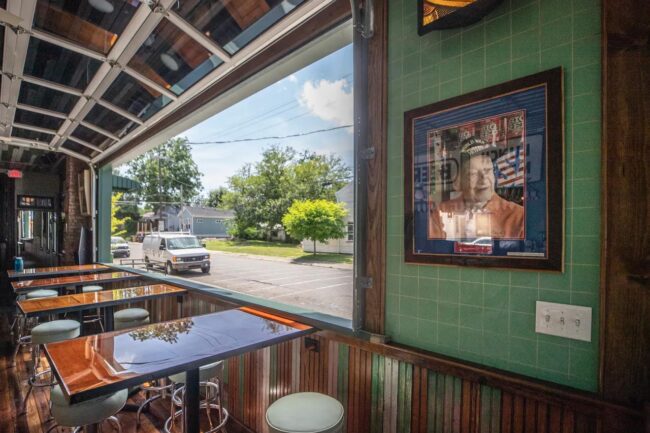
{"x": 285, "y": 260}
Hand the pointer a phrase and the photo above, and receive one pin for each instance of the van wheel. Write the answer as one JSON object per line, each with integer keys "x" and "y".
{"x": 169, "y": 268}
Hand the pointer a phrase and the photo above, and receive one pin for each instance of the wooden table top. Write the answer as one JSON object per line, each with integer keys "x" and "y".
{"x": 56, "y": 271}
{"x": 72, "y": 280}
{"x": 87, "y": 367}
{"x": 105, "y": 298}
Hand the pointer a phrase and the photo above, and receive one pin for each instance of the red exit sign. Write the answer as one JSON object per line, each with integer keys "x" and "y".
{"x": 15, "y": 174}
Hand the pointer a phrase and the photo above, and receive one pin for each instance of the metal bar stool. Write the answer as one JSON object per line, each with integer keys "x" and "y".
{"x": 97, "y": 317}
{"x": 303, "y": 412}
{"x": 130, "y": 318}
{"x": 209, "y": 381}
{"x": 22, "y": 323}
{"x": 49, "y": 332}
{"x": 91, "y": 412}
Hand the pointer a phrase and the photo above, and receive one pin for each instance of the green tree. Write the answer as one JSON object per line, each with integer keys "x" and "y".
{"x": 316, "y": 220}
{"x": 117, "y": 224}
{"x": 167, "y": 174}
{"x": 261, "y": 194}
{"x": 128, "y": 210}
{"x": 319, "y": 176}
{"x": 215, "y": 197}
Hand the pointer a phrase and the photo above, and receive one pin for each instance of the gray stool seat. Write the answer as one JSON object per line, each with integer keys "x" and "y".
{"x": 305, "y": 412}
{"x": 206, "y": 372}
{"x": 88, "y": 412}
{"x": 130, "y": 317}
{"x": 42, "y": 294}
{"x": 56, "y": 330}
{"x": 89, "y": 289}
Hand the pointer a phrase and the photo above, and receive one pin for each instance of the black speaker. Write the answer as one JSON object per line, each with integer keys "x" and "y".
{"x": 85, "y": 251}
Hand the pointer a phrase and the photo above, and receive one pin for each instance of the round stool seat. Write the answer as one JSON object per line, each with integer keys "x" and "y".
{"x": 89, "y": 289}
{"x": 42, "y": 294}
{"x": 305, "y": 412}
{"x": 206, "y": 372}
{"x": 130, "y": 317}
{"x": 87, "y": 412}
{"x": 56, "y": 330}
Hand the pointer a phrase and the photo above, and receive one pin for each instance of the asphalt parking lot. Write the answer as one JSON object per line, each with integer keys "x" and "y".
{"x": 319, "y": 288}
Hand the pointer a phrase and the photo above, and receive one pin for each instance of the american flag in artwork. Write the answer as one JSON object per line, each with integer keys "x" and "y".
{"x": 511, "y": 168}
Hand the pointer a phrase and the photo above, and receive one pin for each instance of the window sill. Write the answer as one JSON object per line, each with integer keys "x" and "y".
{"x": 308, "y": 317}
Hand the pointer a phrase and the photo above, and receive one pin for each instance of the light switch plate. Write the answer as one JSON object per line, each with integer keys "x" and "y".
{"x": 562, "y": 320}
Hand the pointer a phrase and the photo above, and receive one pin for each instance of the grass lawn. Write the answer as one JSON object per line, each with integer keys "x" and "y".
{"x": 277, "y": 249}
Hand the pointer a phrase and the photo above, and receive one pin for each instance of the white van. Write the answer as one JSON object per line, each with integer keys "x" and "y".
{"x": 175, "y": 251}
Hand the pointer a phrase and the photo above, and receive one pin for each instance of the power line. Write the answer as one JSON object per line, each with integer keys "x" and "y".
{"x": 302, "y": 114}
{"x": 255, "y": 119}
{"x": 301, "y": 134}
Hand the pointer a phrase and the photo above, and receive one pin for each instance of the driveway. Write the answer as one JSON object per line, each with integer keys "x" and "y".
{"x": 319, "y": 288}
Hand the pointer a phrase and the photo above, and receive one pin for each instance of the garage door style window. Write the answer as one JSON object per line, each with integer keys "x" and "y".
{"x": 271, "y": 189}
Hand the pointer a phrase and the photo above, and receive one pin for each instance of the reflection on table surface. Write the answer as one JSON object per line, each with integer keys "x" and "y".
{"x": 78, "y": 300}
{"x": 86, "y": 365}
{"x": 72, "y": 280}
{"x": 57, "y": 270}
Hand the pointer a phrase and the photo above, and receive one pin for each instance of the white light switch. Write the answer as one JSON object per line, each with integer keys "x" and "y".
{"x": 570, "y": 321}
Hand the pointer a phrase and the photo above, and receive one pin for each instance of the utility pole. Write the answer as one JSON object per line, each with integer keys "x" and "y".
{"x": 159, "y": 183}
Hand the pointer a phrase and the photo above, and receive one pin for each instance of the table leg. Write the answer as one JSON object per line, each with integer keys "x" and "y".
{"x": 192, "y": 401}
{"x": 108, "y": 319}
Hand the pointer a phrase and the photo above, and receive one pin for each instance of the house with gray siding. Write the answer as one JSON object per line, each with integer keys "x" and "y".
{"x": 205, "y": 222}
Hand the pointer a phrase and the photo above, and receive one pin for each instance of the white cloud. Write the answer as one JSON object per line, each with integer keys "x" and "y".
{"x": 292, "y": 78}
{"x": 329, "y": 100}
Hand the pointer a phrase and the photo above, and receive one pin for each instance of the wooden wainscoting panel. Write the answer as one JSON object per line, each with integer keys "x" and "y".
{"x": 385, "y": 394}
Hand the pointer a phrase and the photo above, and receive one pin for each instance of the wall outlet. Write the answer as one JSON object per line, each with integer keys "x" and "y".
{"x": 562, "y": 320}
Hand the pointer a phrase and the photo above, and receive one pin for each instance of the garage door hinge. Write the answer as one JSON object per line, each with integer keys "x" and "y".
{"x": 365, "y": 282}
{"x": 368, "y": 153}
{"x": 363, "y": 17}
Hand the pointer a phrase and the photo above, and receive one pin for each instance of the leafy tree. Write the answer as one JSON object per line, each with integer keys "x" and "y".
{"x": 167, "y": 174}
{"x": 319, "y": 176}
{"x": 117, "y": 224}
{"x": 316, "y": 220}
{"x": 127, "y": 210}
{"x": 261, "y": 194}
{"x": 215, "y": 197}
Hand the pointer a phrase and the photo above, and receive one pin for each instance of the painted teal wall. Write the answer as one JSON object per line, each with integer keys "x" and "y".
{"x": 104, "y": 194}
{"x": 487, "y": 316}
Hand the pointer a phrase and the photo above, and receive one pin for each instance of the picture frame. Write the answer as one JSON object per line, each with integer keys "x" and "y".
{"x": 484, "y": 177}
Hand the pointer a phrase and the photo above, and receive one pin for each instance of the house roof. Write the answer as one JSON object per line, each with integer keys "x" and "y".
{"x": 209, "y": 212}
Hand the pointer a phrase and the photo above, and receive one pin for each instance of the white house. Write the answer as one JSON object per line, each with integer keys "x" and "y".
{"x": 344, "y": 245}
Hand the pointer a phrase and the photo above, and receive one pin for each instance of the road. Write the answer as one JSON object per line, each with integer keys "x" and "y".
{"x": 318, "y": 288}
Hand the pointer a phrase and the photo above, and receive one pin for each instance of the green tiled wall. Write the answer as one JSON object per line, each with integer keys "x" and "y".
{"x": 487, "y": 316}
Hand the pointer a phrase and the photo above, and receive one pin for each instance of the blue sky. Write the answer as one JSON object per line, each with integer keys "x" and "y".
{"x": 316, "y": 97}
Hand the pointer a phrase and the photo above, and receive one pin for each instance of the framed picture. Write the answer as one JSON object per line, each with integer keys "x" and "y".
{"x": 447, "y": 14}
{"x": 484, "y": 177}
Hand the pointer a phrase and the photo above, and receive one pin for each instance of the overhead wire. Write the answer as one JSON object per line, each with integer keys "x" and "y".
{"x": 279, "y": 137}
{"x": 255, "y": 120}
